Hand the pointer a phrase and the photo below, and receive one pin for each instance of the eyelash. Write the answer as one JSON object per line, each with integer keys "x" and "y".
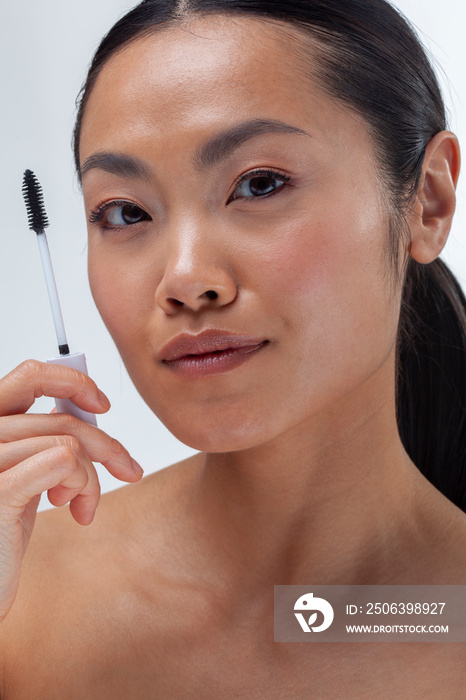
{"x": 273, "y": 174}
{"x": 96, "y": 216}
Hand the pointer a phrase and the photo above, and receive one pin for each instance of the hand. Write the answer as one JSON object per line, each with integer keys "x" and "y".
{"x": 52, "y": 453}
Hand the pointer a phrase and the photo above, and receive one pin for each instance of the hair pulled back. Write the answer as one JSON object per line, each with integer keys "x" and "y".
{"x": 369, "y": 57}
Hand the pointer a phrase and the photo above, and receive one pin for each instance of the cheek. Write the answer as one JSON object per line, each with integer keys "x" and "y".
{"x": 324, "y": 255}
{"x": 326, "y": 277}
{"x": 119, "y": 292}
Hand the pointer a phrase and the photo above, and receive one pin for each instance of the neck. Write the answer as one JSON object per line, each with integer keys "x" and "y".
{"x": 329, "y": 502}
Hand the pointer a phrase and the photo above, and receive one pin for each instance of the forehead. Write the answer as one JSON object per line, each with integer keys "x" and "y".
{"x": 203, "y": 75}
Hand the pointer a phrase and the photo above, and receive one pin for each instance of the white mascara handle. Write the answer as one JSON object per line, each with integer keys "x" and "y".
{"x": 75, "y": 360}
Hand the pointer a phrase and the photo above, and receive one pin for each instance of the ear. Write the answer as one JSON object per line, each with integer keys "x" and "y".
{"x": 433, "y": 208}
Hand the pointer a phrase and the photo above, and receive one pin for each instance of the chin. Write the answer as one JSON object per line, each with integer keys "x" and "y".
{"x": 217, "y": 436}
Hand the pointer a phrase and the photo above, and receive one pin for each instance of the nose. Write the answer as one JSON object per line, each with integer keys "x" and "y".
{"x": 195, "y": 276}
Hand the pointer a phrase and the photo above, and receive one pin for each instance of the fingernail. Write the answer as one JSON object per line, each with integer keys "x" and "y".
{"x": 103, "y": 399}
{"x": 137, "y": 467}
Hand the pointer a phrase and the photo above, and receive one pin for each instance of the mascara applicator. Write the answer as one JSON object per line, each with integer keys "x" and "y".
{"x": 38, "y": 222}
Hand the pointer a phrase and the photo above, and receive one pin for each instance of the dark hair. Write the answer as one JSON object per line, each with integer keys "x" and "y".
{"x": 369, "y": 57}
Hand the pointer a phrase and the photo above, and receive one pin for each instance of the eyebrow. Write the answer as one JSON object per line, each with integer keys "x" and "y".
{"x": 216, "y": 150}
{"x": 222, "y": 146}
{"x": 117, "y": 164}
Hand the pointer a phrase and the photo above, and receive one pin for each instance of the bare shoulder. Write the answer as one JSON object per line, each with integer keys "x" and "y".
{"x": 87, "y": 589}
{"x": 62, "y": 552}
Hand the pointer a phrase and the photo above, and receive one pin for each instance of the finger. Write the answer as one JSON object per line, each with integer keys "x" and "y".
{"x": 12, "y": 453}
{"x": 96, "y": 443}
{"x": 84, "y": 504}
{"x": 31, "y": 379}
{"x": 63, "y": 465}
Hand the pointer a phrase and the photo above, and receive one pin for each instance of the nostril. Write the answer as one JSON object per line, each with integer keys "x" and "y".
{"x": 194, "y": 303}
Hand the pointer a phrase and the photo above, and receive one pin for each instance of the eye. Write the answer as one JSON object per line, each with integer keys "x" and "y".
{"x": 259, "y": 183}
{"x": 117, "y": 215}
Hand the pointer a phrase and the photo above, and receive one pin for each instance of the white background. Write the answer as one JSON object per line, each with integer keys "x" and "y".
{"x": 45, "y": 49}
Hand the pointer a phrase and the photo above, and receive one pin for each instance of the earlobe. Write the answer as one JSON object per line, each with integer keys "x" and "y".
{"x": 433, "y": 208}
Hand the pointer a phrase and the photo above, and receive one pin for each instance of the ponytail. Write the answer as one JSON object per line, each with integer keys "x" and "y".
{"x": 431, "y": 376}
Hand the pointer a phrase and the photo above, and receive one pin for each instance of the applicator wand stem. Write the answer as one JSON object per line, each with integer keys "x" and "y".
{"x": 53, "y": 293}
{"x": 38, "y": 222}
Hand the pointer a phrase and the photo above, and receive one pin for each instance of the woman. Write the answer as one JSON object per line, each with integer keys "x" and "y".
{"x": 268, "y": 187}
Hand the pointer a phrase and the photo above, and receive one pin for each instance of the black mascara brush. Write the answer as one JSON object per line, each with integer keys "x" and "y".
{"x": 38, "y": 222}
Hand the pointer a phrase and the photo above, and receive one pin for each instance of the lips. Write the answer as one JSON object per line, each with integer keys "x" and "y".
{"x": 210, "y": 352}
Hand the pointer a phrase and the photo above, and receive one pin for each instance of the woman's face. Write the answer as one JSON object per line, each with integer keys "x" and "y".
{"x": 247, "y": 203}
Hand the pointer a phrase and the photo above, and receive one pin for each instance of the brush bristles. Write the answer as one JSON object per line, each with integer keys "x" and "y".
{"x": 34, "y": 198}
